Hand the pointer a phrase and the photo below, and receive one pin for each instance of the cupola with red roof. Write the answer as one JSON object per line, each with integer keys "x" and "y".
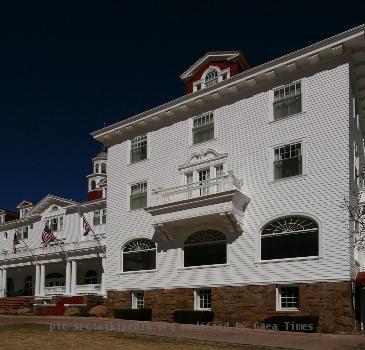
{"x": 97, "y": 180}
{"x": 213, "y": 68}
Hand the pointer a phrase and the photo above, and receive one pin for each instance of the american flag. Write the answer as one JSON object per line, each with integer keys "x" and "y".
{"x": 15, "y": 241}
{"x": 47, "y": 235}
{"x": 86, "y": 226}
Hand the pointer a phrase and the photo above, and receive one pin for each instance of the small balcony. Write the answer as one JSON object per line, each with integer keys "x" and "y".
{"x": 197, "y": 202}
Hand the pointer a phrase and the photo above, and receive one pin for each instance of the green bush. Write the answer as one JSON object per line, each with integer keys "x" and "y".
{"x": 293, "y": 323}
{"x": 193, "y": 316}
{"x": 133, "y": 314}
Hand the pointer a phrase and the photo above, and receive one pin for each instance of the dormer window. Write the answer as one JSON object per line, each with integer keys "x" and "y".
{"x": 211, "y": 78}
{"x": 213, "y": 75}
{"x": 55, "y": 223}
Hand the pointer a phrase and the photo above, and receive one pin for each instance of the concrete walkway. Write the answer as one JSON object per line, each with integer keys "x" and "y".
{"x": 244, "y": 336}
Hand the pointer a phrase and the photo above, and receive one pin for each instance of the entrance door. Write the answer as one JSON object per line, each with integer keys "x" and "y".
{"x": 28, "y": 285}
{"x": 204, "y": 176}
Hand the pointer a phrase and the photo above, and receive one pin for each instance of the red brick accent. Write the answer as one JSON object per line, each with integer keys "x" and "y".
{"x": 249, "y": 305}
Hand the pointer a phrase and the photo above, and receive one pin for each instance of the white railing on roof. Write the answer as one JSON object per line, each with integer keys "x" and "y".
{"x": 198, "y": 189}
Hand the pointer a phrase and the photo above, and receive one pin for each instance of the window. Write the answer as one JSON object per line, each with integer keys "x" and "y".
{"x": 96, "y": 218}
{"x": 287, "y": 161}
{"x": 211, "y": 78}
{"x": 91, "y": 277}
{"x": 103, "y": 216}
{"x": 92, "y": 185}
{"x": 138, "y": 300}
{"x": 288, "y": 298}
{"x": 138, "y": 198}
{"x": 219, "y": 171}
{"x": 289, "y": 237}
{"x": 287, "y": 100}
{"x": 96, "y": 168}
{"x": 25, "y": 231}
{"x": 103, "y": 168}
{"x": 138, "y": 148}
{"x": 205, "y": 248}
{"x": 55, "y": 223}
{"x": 5, "y": 235}
{"x": 139, "y": 255}
{"x": 203, "y": 299}
{"x": 203, "y": 128}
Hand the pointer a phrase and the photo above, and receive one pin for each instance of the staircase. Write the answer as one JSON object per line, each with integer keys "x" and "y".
{"x": 15, "y": 303}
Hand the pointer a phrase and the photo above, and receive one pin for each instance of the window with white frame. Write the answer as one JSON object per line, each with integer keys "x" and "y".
{"x": 213, "y": 75}
{"x": 288, "y": 160}
{"x": 24, "y": 232}
{"x": 203, "y": 128}
{"x": 138, "y": 148}
{"x": 289, "y": 237}
{"x": 288, "y": 298}
{"x": 287, "y": 100}
{"x": 55, "y": 223}
{"x": 139, "y": 254}
{"x": 203, "y": 299}
{"x": 138, "y": 300}
{"x": 96, "y": 218}
{"x": 103, "y": 216}
{"x": 138, "y": 196}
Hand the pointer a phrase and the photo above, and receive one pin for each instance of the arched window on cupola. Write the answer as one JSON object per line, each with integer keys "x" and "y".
{"x": 103, "y": 168}
{"x": 96, "y": 168}
{"x": 211, "y": 78}
{"x": 92, "y": 185}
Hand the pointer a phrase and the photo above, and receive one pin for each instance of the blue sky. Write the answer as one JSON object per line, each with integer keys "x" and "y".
{"x": 67, "y": 70}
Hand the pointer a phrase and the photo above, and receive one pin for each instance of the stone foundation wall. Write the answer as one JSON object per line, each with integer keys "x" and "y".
{"x": 249, "y": 305}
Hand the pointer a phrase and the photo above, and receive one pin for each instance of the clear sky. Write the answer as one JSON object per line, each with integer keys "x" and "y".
{"x": 65, "y": 70}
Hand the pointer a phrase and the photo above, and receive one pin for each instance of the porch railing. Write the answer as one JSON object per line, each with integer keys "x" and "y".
{"x": 88, "y": 288}
{"x": 198, "y": 189}
{"x": 54, "y": 290}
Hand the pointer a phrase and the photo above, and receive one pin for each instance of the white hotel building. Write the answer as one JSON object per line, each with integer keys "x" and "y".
{"x": 70, "y": 266}
{"x": 227, "y": 198}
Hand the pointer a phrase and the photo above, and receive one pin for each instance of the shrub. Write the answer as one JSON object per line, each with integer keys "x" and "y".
{"x": 293, "y": 323}
{"x": 133, "y": 314}
{"x": 193, "y": 316}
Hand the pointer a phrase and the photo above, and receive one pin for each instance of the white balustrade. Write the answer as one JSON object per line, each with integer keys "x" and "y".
{"x": 88, "y": 289}
{"x": 55, "y": 290}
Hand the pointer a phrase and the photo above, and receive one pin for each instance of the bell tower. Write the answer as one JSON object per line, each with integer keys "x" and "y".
{"x": 96, "y": 180}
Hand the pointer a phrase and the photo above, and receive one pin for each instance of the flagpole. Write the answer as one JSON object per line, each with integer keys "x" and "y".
{"x": 94, "y": 234}
{"x": 30, "y": 250}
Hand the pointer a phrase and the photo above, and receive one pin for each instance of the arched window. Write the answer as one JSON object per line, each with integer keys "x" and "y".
{"x": 96, "y": 168}
{"x": 91, "y": 277}
{"x": 205, "y": 248}
{"x": 211, "y": 78}
{"x": 92, "y": 185}
{"x": 289, "y": 237}
{"x": 139, "y": 254}
{"x": 103, "y": 168}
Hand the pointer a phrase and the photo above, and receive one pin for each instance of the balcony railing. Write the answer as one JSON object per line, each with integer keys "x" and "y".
{"x": 88, "y": 289}
{"x": 198, "y": 189}
{"x": 57, "y": 290}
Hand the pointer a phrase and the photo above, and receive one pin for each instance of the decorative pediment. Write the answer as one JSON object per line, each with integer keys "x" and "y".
{"x": 51, "y": 204}
{"x": 202, "y": 157}
{"x": 24, "y": 204}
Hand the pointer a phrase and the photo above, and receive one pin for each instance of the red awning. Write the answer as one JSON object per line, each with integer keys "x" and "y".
{"x": 360, "y": 278}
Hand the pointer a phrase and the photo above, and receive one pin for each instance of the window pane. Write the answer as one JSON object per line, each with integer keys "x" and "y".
{"x": 142, "y": 260}
{"x": 287, "y": 101}
{"x": 205, "y": 254}
{"x": 289, "y": 297}
{"x": 138, "y": 148}
{"x": 203, "y": 128}
{"x": 289, "y": 246}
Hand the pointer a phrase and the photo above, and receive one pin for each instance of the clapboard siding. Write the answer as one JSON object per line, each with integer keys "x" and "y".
{"x": 245, "y": 133}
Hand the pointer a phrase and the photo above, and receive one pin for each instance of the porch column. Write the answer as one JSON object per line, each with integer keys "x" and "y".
{"x": 103, "y": 263}
{"x": 4, "y": 282}
{"x": 37, "y": 279}
{"x": 1, "y": 284}
{"x": 43, "y": 279}
{"x": 73, "y": 277}
{"x": 68, "y": 278}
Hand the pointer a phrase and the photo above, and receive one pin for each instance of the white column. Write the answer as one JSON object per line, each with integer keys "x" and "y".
{"x": 68, "y": 278}
{"x": 73, "y": 277}
{"x": 1, "y": 284}
{"x": 43, "y": 279}
{"x": 4, "y": 282}
{"x": 37, "y": 279}
{"x": 103, "y": 264}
